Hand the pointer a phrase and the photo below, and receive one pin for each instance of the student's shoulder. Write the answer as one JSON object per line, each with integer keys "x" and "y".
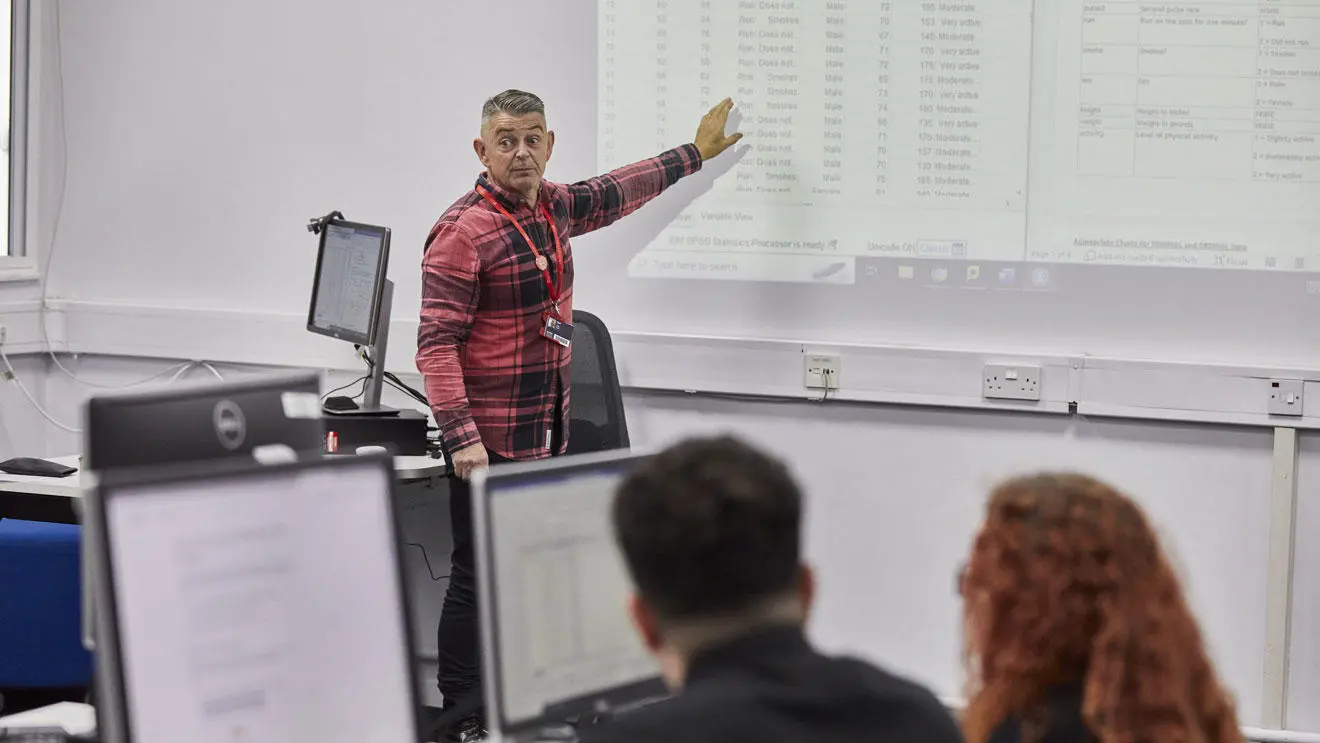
{"x": 690, "y": 718}
{"x": 904, "y": 703}
{"x": 1062, "y": 720}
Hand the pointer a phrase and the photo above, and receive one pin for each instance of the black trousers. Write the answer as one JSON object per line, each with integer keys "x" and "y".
{"x": 458, "y": 638}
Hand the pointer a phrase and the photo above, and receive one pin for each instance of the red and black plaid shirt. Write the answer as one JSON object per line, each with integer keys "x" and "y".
{"x": 491, "y": 377}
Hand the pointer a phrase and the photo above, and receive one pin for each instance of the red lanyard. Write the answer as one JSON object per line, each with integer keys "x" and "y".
{"x": 551, "y": 287}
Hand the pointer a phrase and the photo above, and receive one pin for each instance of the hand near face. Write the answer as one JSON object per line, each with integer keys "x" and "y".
{"x": 710, "y": 139}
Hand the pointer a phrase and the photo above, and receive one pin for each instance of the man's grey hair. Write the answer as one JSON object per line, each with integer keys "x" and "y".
{"x": 512, "y": 102}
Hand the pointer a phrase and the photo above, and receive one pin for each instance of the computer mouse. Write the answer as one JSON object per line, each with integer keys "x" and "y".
{"x": 36, "y": 467}
{"x": 339, "y": 402}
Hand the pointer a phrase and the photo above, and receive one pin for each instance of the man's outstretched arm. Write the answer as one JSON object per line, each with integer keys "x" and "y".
{"x": 600, "y": 201}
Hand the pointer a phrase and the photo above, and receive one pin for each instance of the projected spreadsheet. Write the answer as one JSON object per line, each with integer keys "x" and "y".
{"x": 872, "y": 128}
{"x": 1179, "y": 134}
{"x": 1196, "y": 138}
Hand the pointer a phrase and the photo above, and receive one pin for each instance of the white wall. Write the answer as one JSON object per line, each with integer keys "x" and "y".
{"x": 23, "y": 432}
{"x": 896, "y": 494}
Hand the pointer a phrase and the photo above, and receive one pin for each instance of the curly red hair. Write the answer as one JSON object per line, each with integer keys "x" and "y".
{"x": 1068, "y": 585}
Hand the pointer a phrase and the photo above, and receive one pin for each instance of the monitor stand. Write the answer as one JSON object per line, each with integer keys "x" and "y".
{"x": 376, "y": 353}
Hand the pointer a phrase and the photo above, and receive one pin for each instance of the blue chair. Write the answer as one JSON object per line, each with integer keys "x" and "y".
{"x": 40, "y": 608}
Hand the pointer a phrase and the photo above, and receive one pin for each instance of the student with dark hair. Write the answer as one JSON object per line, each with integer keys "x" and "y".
{"x": 710, "y": 531}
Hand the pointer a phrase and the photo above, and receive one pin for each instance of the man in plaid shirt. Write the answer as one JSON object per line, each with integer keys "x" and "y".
{"x": 494, "y": 341}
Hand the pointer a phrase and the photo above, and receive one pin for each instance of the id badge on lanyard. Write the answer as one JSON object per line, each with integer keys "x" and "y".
{"x": 554, "y": 326}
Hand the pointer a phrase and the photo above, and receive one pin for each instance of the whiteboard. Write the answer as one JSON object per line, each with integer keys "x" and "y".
{"x": 201, "y": 137}
{"x": 1119, "y": 177}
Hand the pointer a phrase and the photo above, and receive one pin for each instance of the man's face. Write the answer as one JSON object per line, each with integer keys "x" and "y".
{"x": 515, "y": 150}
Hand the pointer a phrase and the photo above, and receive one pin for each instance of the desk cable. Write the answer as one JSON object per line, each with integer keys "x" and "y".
{"x": 429, "y": 570}
{"x": 391, "y": 378}
{"x": 12, "y": 376}
{"x": 362, "y": 389}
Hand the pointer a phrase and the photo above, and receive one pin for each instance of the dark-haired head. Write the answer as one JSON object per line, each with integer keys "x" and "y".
{"x": 1068, "y": 586}
{"x": 710, "y": 531}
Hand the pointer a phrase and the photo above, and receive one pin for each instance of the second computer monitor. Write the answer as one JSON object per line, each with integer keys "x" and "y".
{"x": 199, "y": 422}
{"x": 556, "y": 637}
{"x": 349, "y": 281}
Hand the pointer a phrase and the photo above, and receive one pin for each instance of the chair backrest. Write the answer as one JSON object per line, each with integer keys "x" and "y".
{"x": 596, "y": 419}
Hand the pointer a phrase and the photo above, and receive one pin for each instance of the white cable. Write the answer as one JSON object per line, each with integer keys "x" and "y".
{"x": 177, "y": 370}
{"x": 59, "y": 200}
{"x": 13, "y": 375}
{"x": 178, "y": 374}
{"x": 203, "y": 364}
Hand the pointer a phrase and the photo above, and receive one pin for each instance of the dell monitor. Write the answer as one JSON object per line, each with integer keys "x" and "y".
{"x": 204, "y": 421}
{"x": 352, "y": 298}
{"x": 557, "y": 644}
{"x": 248, "y": 602}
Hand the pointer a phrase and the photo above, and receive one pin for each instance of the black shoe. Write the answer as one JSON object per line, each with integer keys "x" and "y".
{"x": 468, "y": 730}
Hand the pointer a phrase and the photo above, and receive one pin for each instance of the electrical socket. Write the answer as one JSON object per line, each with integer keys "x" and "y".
{"x": 3, "y": 337}
{"x": 820, "y": 371}
{"x": 1010, "y": 382}
{"x": 1285, "y": 397}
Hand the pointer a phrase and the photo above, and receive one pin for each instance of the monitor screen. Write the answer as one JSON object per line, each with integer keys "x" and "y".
{"x": 350, "y": 272}
{"x": 198, "y": 422}
{"x": 561, "y": 635}
{"x": 261, "y": 606}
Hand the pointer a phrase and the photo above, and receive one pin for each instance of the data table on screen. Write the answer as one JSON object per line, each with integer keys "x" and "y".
{"x": 1195, "y": 135}
{"x": 872, "y": 128}
{"x": 1174, "y": 134}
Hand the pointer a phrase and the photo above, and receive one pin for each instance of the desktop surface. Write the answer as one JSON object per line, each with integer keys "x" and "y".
{"x": 59, "y": 500}
{"x": 407, "y": 468}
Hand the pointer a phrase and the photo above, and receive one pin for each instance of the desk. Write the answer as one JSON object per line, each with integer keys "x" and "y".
{"x": 76, "y": 719}
{"x": 56, "y": 499}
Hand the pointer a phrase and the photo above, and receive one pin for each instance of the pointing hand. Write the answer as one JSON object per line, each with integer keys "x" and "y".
{"x": 711, "y": 140}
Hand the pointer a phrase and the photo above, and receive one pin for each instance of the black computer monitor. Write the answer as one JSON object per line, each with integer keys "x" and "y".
{"x": 195, "y": 422}
{"x": 352, "y": 299}
{"x": 247, "y": 602}
{"x": 351, "y": 264}
{"x": 557, "y": 644}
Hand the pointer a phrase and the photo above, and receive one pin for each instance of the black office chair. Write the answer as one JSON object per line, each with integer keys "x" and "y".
{"x": 596, "y": 420}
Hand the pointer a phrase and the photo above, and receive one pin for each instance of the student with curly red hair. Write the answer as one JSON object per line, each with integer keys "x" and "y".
{"x": 1077, "y": 628}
